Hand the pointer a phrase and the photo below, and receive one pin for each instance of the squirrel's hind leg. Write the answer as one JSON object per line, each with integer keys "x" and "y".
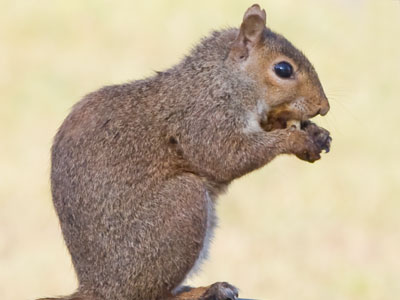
{"x": 216, "y": 291}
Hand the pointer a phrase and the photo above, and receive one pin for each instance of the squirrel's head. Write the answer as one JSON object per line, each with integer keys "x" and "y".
{"x": 284, "y": 75}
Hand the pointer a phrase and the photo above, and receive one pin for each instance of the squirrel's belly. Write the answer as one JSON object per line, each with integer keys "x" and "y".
{"x": 209, "y": 234}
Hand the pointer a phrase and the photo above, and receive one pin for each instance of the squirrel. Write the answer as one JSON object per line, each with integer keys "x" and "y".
{"x": 136, "y": 168}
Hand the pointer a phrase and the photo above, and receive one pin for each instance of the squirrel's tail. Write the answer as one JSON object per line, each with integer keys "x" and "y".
{"x": 65, "y": 298}
{"x": 75, "y": 296}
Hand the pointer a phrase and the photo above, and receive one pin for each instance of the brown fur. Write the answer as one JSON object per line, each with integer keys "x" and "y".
{"x": 137, "y": 167}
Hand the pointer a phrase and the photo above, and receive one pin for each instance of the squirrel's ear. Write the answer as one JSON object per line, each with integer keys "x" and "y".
{"x": 251, "y": 32}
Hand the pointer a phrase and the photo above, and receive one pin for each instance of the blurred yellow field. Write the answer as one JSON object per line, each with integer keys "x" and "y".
{"x": 293, "y": 230}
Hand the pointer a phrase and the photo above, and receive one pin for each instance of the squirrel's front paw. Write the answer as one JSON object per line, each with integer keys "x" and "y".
{"x": 319, "y": 135}
{"x": 308, "y": 143}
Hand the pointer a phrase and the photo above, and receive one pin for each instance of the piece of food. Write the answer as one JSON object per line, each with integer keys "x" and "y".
{"x": 294, "y": 123}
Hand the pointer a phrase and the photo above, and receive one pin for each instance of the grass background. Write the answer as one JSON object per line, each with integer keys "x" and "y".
{"x": 292, "y": 230}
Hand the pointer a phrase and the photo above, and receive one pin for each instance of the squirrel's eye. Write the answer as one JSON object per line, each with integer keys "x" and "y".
{"x": 283, "y": 69}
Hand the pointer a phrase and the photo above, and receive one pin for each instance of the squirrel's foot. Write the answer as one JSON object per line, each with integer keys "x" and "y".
{"x": 220, "y": 291}
{"x": 216, "y": 291}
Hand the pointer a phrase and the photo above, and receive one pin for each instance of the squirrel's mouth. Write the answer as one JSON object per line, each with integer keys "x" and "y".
{"x": 280, "y": 123}
{"x": 282, "y": 117}
{"x": 281, "y": 120}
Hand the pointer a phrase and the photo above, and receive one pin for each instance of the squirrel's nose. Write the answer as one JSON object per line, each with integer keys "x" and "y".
{"x": 324, "y": 107}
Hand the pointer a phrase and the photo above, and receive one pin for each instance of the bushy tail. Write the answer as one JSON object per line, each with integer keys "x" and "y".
{"x": 64, "y": 298}
{"x": 75, "y": 296}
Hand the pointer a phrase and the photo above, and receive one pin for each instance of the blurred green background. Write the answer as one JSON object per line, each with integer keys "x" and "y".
{"x": 293, "y": 230}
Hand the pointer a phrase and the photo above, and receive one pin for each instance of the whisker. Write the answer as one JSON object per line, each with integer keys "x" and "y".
{"x": 347, "y": 110}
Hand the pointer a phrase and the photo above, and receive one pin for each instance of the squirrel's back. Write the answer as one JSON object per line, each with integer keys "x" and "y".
{"x": 114, "y": 154}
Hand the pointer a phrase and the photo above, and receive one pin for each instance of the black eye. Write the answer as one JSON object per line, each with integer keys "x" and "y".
{"x": 283, "y": 69}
